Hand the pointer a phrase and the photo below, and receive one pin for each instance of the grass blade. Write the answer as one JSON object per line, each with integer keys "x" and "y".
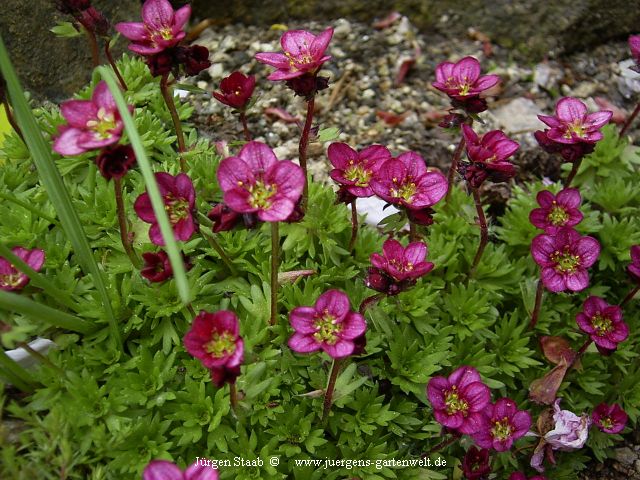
{"x": 173, "y": 251}
{"x": 52, "y": 181}
{"x": 19, "y": 304}
{"x": 15, "y": 374}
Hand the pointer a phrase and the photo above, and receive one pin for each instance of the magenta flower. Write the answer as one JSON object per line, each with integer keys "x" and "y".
{"x": 406, "y": 181}
{"x": 157, "y": 267}
{"x": 354, "y": 170}
{"x": 161, "y": 27}
{"x": 522, "y": 476}
{"x": 236, "y": 90}
{"x": 458, "y": 401}
{"x": 256, "y": 182}
{"x": 634, "y": 267}
{"x": 215, "y": 341}
{"x": 634, "y": 46}
{"x": 475, "y": 464}
{"x": 91, "y": 124}
{"x": 13, "y": 279}
{"x": 573, "y": 124}
{"x": 603, "y": 323}
{"x": 329, "y": 325}
{"x": 564, "y": 259}
{"x": 609, "y": 418}
{"x": 462, "y": 79}
{"x": 505, "y": 424}
{"x": 303, "y": 53}
{"x": 488, "y": 155}
{"x": 164, "y": 470}
{"x": 179, "y": 199}
{"x": 398, "y": 267}
{"x": 115, "y": 161}
{"x": 568, "y": 152}
{"x": 557, "y": 211}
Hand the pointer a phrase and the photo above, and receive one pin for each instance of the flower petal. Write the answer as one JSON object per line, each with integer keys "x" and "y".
{"x": 415, "y": 253}
{"x": 577, "y": 281}
{"x": 277, "y": 60}
{"x": 320, "y": 43}
{"x": 353, "y": 326}
{"x": 303, "y": 343}
{"x": 467, "y": 70}
{"x": 589, "y": 249}
{"x": 597, "y": 119}
{"x": 302, "y": 320}
{"x": 233, "y": 173}
{"x": 132, "y": 30}
{"x": 238, "y": 200}
{"x": 552, "y": 280}
{"x": 569, "y": 109}
{"x": 258, "y": 157}
{"x": 102, "y": 97}
{"x": 162, "y": 470}
{"x": 67, "y": 143}
{"x": 296, "y": 42}
{"x": 181, "y": 17}
{"x": 341, "y": 349}
{"x": 279, "y": 210}
{"x": 336, "y": 302}
{"x": 340, "y": 154}
{"x": 78, "y": 113}
{"x": 157, "y": 14}
{"x": 198, "y": 471}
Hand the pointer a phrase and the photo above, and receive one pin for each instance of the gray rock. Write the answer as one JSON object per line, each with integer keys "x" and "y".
{"x": 625, "y": 455}
{"x": 519, "y": 115}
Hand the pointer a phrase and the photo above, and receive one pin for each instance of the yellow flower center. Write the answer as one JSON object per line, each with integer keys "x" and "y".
{"x": 557, "y": 216}
{"x": 454, "y": 403}
{"x": 328, "y": 329}
{"x": 602, "y": 325}
{"x": 406, "y": 191}
{"x": 261, "y": 194}
{"x": 221, "y": 344}
{"x": 105, "y": 123}
{"x": 565, "y": 261}
{"x": 166, "y": 33}
{"x": 574, "y": 128}
{"x": 501, "y": 429}
{"x": 177, "y": 209}
{"x": 356, "y": 173}
{"x": 11, "y": 280}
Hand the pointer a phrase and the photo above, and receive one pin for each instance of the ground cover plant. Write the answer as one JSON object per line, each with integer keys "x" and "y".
{"x": 222, "y": 316}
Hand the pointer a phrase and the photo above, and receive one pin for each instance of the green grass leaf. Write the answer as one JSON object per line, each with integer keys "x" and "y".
{"x": 15, "y": 374}
{"x": 52, "y": 182}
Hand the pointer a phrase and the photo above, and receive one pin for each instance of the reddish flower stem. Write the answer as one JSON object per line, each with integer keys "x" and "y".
{"x": 114, "y": 66}
{"x": 537, "y": 305}
{"x": 331, "y": 386}
{"x": 484, "y": 231}
{"x": 367, "y": 302}
{"x": 168, "y": 99}
{"x": 122, "y": 221}
{"x": 441, "y": 445}
{"x": 275, "y": 253}
{"x": 454, "y": 166}
{"x": 630, "y": 120}
{"x": 93, "y": 46}
{"x": 630, "y": 295}
{"x": 245, "y": 126}
{"x": 302, "y": 149}
{"x": 573, "y": 172}
{"x": 233, "y": 398}
{"x": 579, "y": 353}
{"x": 413, "y": 232}
{"x": 354, "y": 225}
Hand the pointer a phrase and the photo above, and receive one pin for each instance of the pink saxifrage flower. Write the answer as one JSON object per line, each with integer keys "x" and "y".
{"x": 564, "y": 259}
{"x": 257, "y": 182}
{"x": 91, "y": 124}
{"x": 603, "y": 323}
{"x": 462, "y": 80}
{"x": 329, "y": 325}
{"x": 634, "y": 267}
{"x": 214, "y": 339}
{"x": 161, "y": 27}
{"x": 573, "y": 124}
{"x": 634, "y": 46}
{"x": 157, "y": 267}
{"x": 304, "y": 53}
{"x": 398, "y": 267}
{"x": 505, "y": 424}
{"x": 13, "y": 279}
{"x": 406, "y": 181}
{"x": 609, "y": 418}
{"x": 475, "y": 464}
{"x": 459, "y": 401}
{"x": 179, "y": 198}
{"x": 489, "y": 156}
{"x": 165, "y": 470}
{"x": 236, "y": 90}
{"x": 557, "y": 211}
{"x": 522, "y": 476}
{"x": 353, "y": 170}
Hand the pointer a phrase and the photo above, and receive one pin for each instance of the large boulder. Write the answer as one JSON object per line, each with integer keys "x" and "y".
{"x": 49, "y": 66}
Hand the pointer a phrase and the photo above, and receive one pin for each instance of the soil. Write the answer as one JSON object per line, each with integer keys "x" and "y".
{"x": 363, "y": 83}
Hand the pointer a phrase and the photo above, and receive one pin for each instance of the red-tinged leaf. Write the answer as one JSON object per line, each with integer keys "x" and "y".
{"x": 619, "y": 114}
{"x": 390, "y": 118}
{"x": 556, "y": 349}
{"x": 434, "y": 117}
{"x": 544, "y": 390}
{"x": 281, "y": 114}
{"x": 387, "y": 21}
{"x": 403, "y": 69}
{"x": 487, "y": 48}
{"x": 293, "y": 275}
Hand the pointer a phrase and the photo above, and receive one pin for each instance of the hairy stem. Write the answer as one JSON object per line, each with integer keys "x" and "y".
{"x": 630, "y": 120}
{"x": 413, "y": 232}
{"x": 122, "y": 222}
{"x": 302, "y": 149}
{"x": 354, "y": 225}
{"x": 441, "y": 445}
{"x": 454, "y": 166}
{"x": 275, "y": 261}
{"x": 630, "y": 295}
{"x": 167, "y": 94}
{"x": 573, "y": 172}
{"x": 245, "y": 126}
{"x": 537, "y": 305}
{"x": 233, "y": 398}
{"x": 331, "y": 386}
{"x": 114, "y": 66}
{"x": 93, "y": 46}
{"x": 484, "y": 231}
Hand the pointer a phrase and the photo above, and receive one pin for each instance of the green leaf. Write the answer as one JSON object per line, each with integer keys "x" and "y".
{"x": 65, "y": 30}
{"x": 189, "y": 88}
{"x": 52, "y": 181}
{"x": 152, "y": 187}
{"x": 17, "y": 303}
{"x": 15, "y": 374}
{"x": 328, "y": 134}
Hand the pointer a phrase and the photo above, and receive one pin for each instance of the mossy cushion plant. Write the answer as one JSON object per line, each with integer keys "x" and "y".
{"x": 230, "y": 318}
